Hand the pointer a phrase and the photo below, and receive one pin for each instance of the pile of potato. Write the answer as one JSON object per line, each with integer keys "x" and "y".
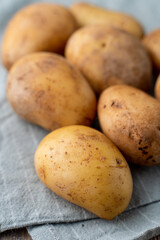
{"x": 60, "y": 62}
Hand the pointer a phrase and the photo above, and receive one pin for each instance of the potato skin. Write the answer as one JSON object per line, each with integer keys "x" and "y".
{"x": 152, "y": 44}
{"x": 88, "y": 14}
{"x": 157, "y": 88}
{"x": 131, "y": 119}
{"x": 107, "y": 56}
{"x": 43, "y": 88}
{"x": 83, "y": 166}
{"x": 37, "y": 27}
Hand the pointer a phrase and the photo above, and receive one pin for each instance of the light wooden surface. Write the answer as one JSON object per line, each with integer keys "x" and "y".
{"x": 21, "y": 234}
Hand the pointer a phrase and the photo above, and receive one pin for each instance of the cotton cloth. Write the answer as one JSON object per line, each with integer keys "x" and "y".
{"x": 26, "y": 202}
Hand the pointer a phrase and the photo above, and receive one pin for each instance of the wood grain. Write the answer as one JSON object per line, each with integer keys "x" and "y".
{"x": 21, "y": 234}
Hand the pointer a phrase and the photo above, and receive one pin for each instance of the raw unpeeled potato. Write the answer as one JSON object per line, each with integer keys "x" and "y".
{"x": 107, "y": 56}
{"x": 43, "y": 88}
{"x": 152, "y": 44}
{"x": 83, "y": 166}
{"x": 37, "y": 27}
{"x": 131, "y": 119}
{"x": 157, "y": 88}
{"x": 88, "y": 14}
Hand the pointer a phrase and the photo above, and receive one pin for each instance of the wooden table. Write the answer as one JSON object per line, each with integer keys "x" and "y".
{"x": 21, "y": 234}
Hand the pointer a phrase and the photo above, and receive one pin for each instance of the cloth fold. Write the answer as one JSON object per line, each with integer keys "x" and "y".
{"x": 137, "y": 224}
{"x": 25, "y": 201}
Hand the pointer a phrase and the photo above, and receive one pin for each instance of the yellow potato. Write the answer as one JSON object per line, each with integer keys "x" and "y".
{"x": 37, "y": 27}
{"x": 157, "y": 88}
{"x": 131, "y": 119}
{"x": 83, "y": 166}
{"x": 152, "y": 44}
{"x": 107, "y": 56}
{"x": 43, "y": 88}
{"x": 87, "y": 14}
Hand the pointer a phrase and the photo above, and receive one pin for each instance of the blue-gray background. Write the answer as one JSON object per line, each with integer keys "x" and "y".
{"x": 25, "y": 201}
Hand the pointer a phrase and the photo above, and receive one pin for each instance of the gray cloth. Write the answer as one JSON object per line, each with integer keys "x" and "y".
{"x": 25, "y": 201}
{"x": 140, "y": 223}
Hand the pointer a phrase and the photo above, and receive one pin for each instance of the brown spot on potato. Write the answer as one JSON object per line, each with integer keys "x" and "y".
{"x": 132, "y": 93}
{"x": 69, "y": 194}
{"x": 103, "y": 45}
{"x": 66, "y": 153}
{"x": 143, "y": 150}
{"x": 50, "y": 79}
{"x": 60, "y": 186}
{"x": 116, "y": 104}
{"x": 51, "y": 148}
{"x": 39, "y": 94}
{"x": 24, "y": 75}
{"x": 148, "y": 158}
{"x": 82, "y": 199}
{"x": 158, "y": 128}
{"x": 119, "y": 161}
{"x": 130, "y": 135}
{"x": 102, "y": 158}
{"x": 107, "y": 209}
{"x": 145, "y": 147}
{"x": 42, "y": 173}
{"x": 104, "y": 106}
{"x": 120, "y": 177}
{"x": 86, "y": 159}
{"x": 140, "y": 141}
{"x": 112, "y": 103}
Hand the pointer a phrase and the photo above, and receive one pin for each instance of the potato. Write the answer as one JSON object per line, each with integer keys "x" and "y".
{"x": 131, "y": 119}
{"x": 157, "y": 88}
{"x": 83, "y": 166}
{"x": 43, "y": 88}
{"x": 152, "y": 44}
{"x": 108, "y": 56}
{"x": 87, "y": 14}
{"x": 37, "y": 27}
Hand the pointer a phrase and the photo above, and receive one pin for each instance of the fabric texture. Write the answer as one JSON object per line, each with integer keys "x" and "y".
{"x": 25, "y": 201}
